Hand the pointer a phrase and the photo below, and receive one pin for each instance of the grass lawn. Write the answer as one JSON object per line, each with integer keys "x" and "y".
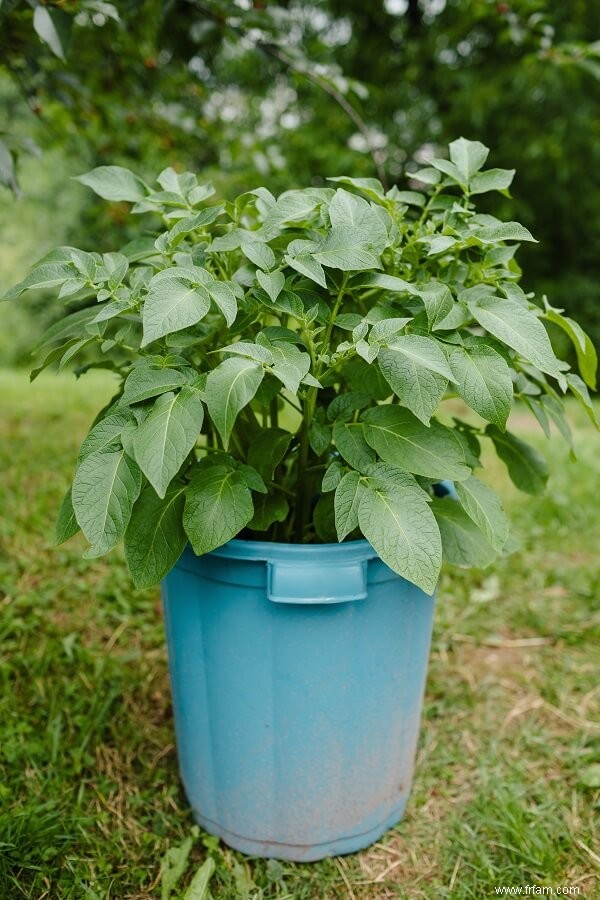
{"x": 507, "y": 788}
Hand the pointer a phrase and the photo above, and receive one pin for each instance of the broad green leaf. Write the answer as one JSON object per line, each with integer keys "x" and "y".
{"x": 106, "y": 433}
{"x": 371, "y": 187}
{"x": 518, "y": 328}
{"x": 72, "y": 325}
{"x": 504, "y": 231}
{"x": 333, "y": 475}
{"x": 344, "y": 406}
{"x": 396, "y": 520}
{"x": 224, "y": 299}
{"x": 348, "y": 209}
{"x": 438, "y": 303}
{"x": 483, "y": 381}
{"x": 319, "y": 437}
{"x": 579, "y": 389}
{"x": 417, "y": 370}
{"x": 47, "y": 275}
{"x": 449, "y": 168}
{"x": 483, "y": 506}
{"x": 527, "y": 468}
{"x": 387, "y": 283}
{"x": 399, "y": 438}
{"x": 66, "y": 522}
{"x": 106, "y": 485}
{"x": 347, "y": 501}
{"x": 114, "y": 183}
{"x": 198, "y": 888}
{"x": 491, "y": 180}
{"x": 587, "y": 358}
{"x": 463, "y": 542}
{"x": 347, "y": 248}
{"x": 555, "y": 410}
{"x": 468, "y": 156}
{"x": 259, "y": 253}
{"x": 145, "y": 382}
{"x": 218, "y": 505}
{"x": 50, "y": 26}
{"x": 165, "y": 438}
{"x": 387, "y": 328}
{"x": 271, "y": 282}
{"x": 290, "y": 364}
{"x": 267, "y": 451}
{"x": 172, "y": 867}
{"x": 268, "y": 508}
{"x": 229, "y": 388}
{"x": 350, "y": 441}
{"x": 324, "y": 519}
{"x": 307, "y": 265}
{"x": 155, "y": 539}
{"x": 171, "y": 305}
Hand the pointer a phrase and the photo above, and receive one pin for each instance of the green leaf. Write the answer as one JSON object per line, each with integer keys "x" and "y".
{"x": 324, "y": 519}
{"x": 218, "y": 505}
{"x": 271, "y": 282}
{"x": 224, "y": 299}
{"x": 395, "y": 518}
{"x": 268, "y": 508}
{"x": 66, "y": 522}
{"x": 350, "y": 441}
{"x": 399, "y": 438}
{"x": 106, "y": 433}
{"x": 438, "y": 303}
{"x": 417, "y": 370}
{"x": 468, "y": 156}
{"x": 463, "y": 543}
{"x": 483, "y": 506}
{"x": 518, "y": 328}
{"x": 50, "y": 26}
{"x": 229, "y": 388}
{"x": 47, "y": 275}
{"x": 319, "y": 437}
{"x": 268, "y": 449}
{"x": 579, "y": 390}
{"x": 145, "y": 382}
{"x": 348, "y": 209}
{"x": 171, "y": 305}
{"x": 173, "y": 865}
{"x": 259, "y": 253}
{"x": 165, "y": 438}
{"x": 344, "y": 406}
{"x": 388, "y": 283}
{"x": 155, "y": 539}
{"x": 503, "y": 231}
{"x": 71, "y": 325}
{"x": 492, "y": 180}
{"x": 333, "y": 475}
{"x": 198, "y": 889}
{"x": 348, "y": 249}
{"x": 106, "y": 485}
{"x": 587, "y": 358}
{"x": 114, "y": 183}
{"x": 483, "y": 381}
{"x": 347, "y": 501}
{"x": 371, "y": 187}
{"x": 450, "y": 169}
{"x": 527, "y": 468}
{"x": 307, "y": 265}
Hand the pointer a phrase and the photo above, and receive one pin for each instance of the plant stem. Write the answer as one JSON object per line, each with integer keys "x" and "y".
{"x": 304, "y": 489}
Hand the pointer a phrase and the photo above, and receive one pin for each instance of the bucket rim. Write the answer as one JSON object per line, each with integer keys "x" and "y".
{"x": 279, "y": 551}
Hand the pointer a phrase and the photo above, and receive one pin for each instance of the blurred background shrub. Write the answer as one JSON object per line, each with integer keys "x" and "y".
{"x": 284, "y": 94}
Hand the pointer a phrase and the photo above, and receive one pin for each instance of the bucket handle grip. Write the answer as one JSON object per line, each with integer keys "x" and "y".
{"x": 322, "y": 583}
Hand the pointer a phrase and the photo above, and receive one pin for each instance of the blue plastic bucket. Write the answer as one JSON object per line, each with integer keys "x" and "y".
{"x": 297, "y": 675}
